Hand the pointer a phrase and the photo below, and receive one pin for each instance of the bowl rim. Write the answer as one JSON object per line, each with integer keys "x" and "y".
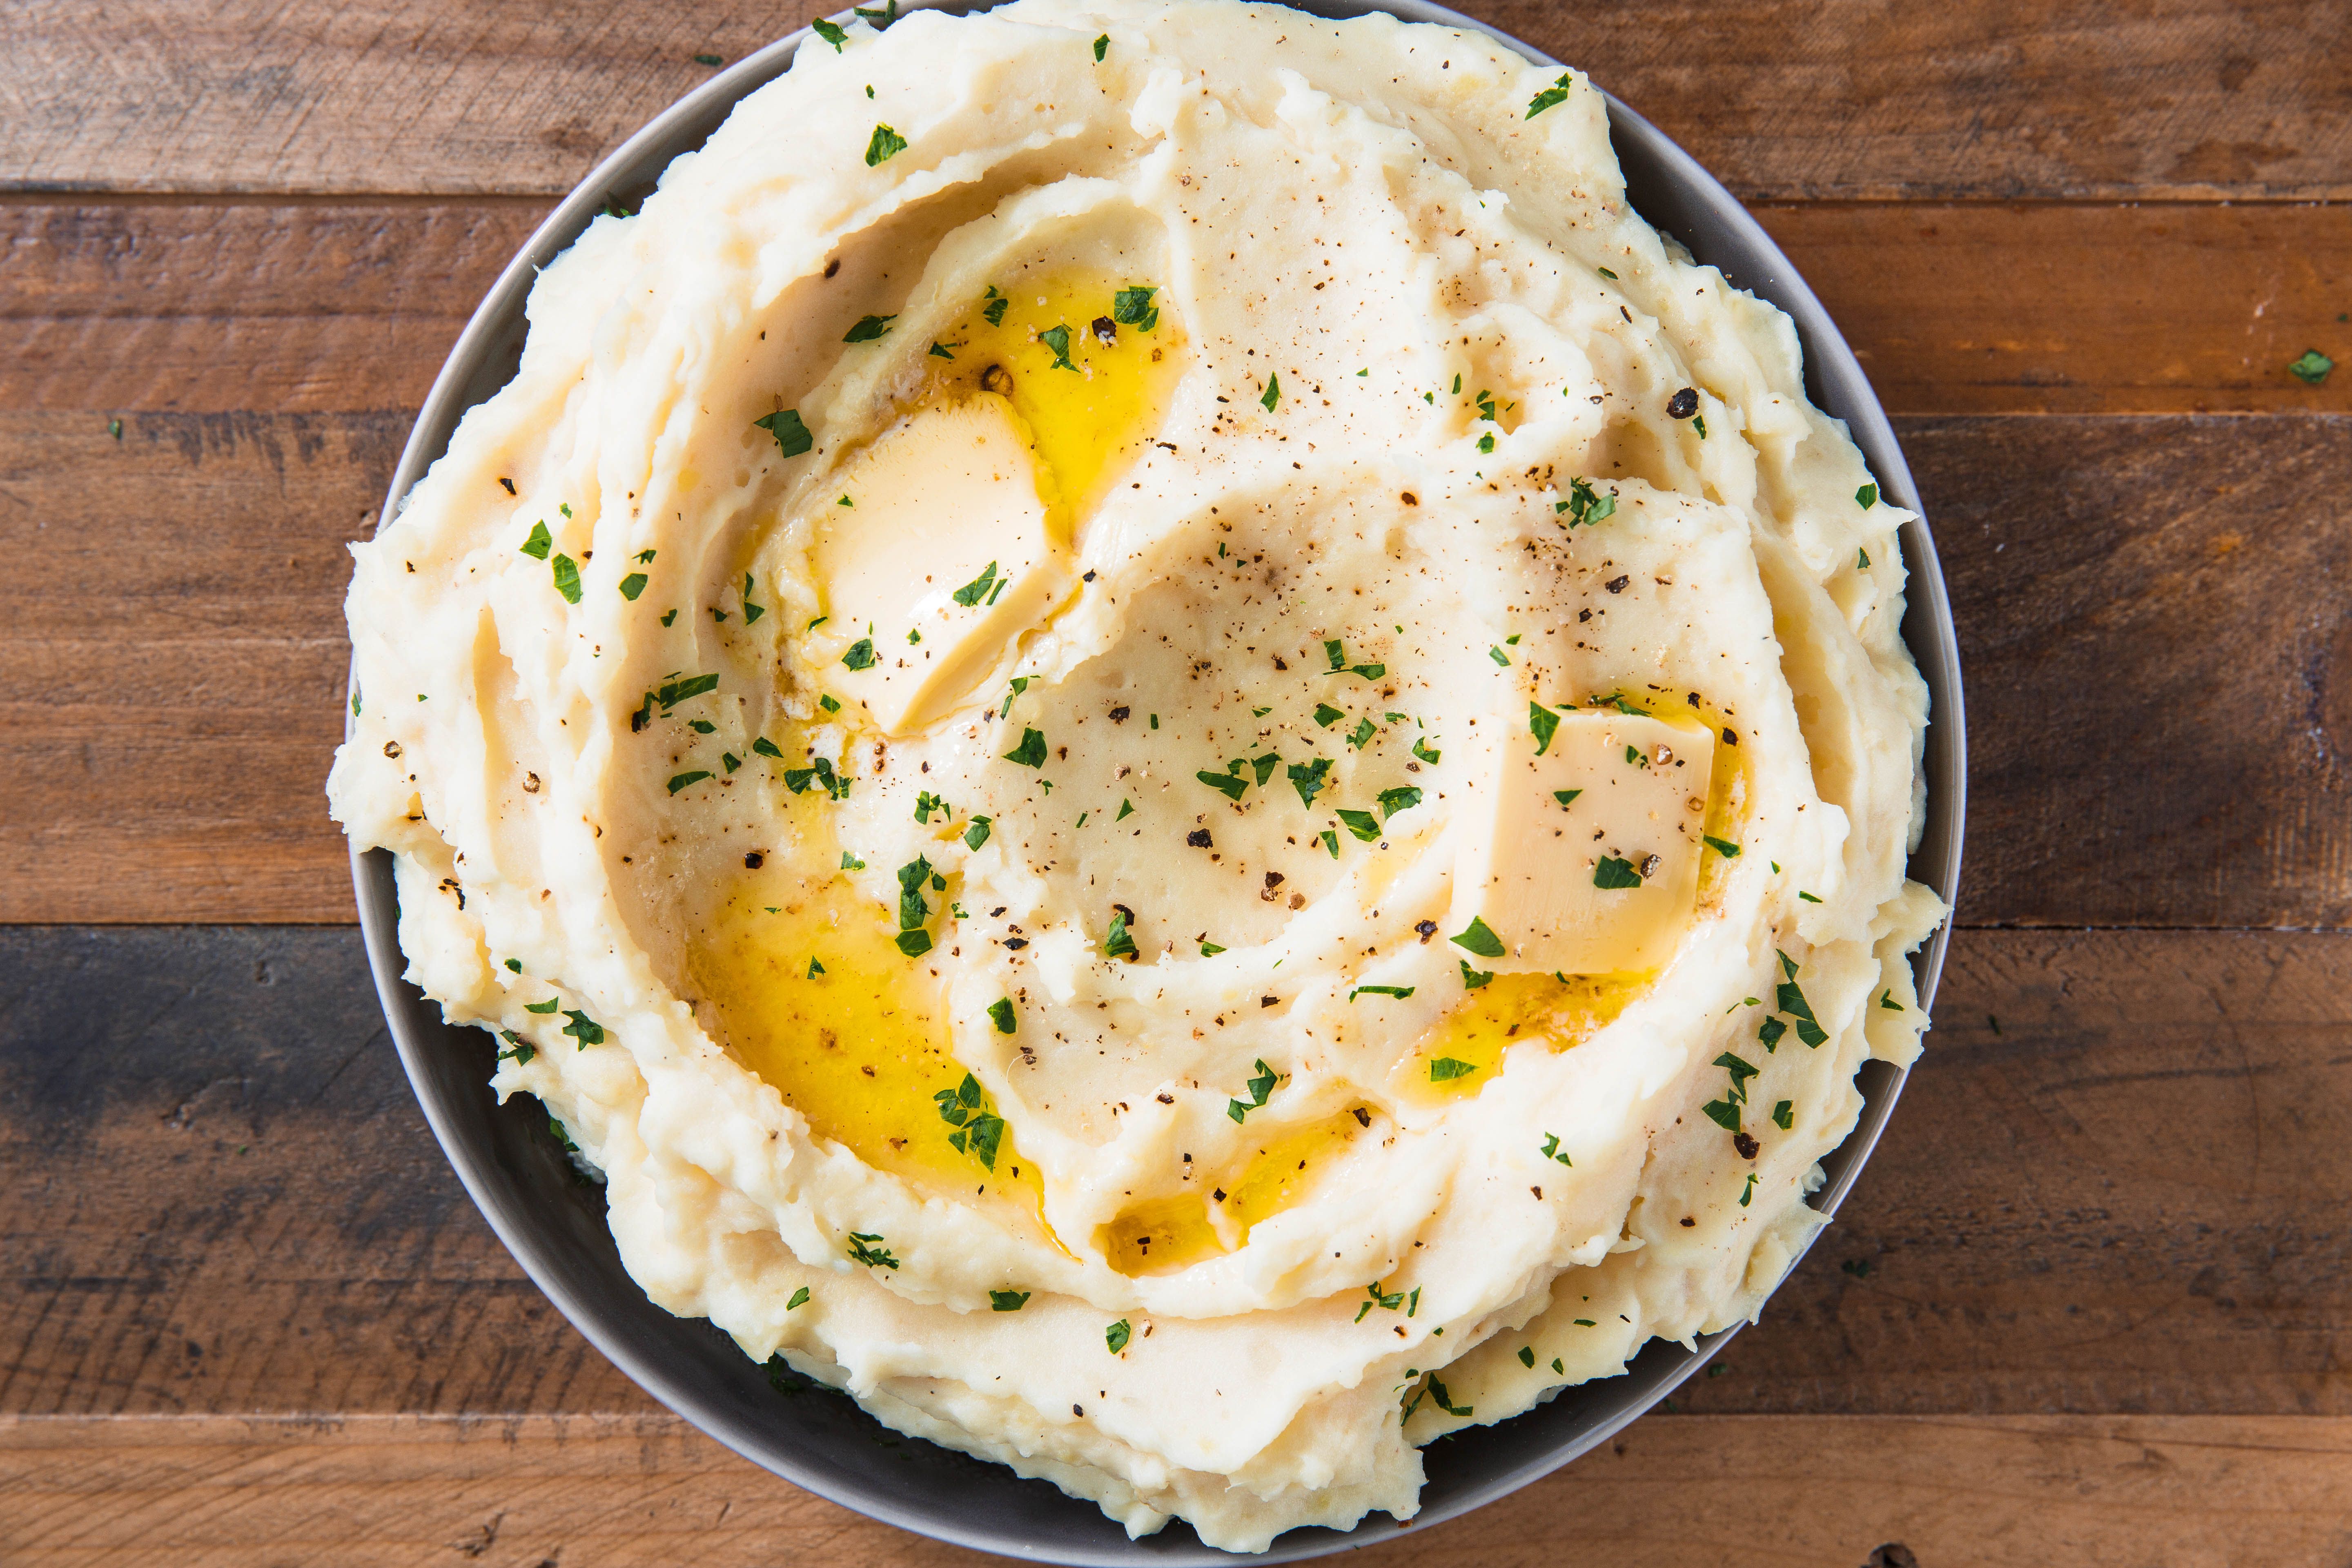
{"x": 1707, "y": 219}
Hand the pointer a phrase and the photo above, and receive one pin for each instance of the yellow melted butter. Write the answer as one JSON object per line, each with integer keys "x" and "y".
{"x": 860, "y": 1050}
{"x": 1563, "y": 1012}
{"x": 1085, "y": 424}
{"x": 1164, "y": 1236}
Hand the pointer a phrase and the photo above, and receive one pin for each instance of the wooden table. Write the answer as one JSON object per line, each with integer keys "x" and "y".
{"x": 2089, "y": 1303}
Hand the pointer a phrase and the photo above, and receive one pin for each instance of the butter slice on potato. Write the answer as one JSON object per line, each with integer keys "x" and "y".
{"x": 1538, "y": 869}
{"x": 933, "y": 504}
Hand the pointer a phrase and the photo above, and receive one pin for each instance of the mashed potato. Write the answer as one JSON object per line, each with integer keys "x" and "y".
{"x": 1180, "y": 760}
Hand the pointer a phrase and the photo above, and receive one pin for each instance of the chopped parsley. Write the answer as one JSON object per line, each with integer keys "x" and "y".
{"x": 1126, "y": 810}
{"x": 1273, "y": 391}
{"x": 1421, "y": 749}
{"x": 829, "y": 32}
{"x": 1102, "y": 47}
{"x": 1326, "y": 715}
{"x": 1550, "y": 97}
{"x": 1363, "y": 823}
{"x": 1210, "y": 949}
{"x": 1724, "y": 1113}
{"x": 540, "y": 542}
{"x": 1008, "y": 1301}
{"x": 551, "y": 1005}
{"x": 940, "y": 350}
{"x": 1446, "y": 1069}
{"x": 1030, "y": 752}
{"x": 1478, "y": 937}
{"x": 1361, "y": 735}
{"x": 913, "y": 910}
{"x": 1259, "y": 1088}
{"x": 973, "y": 592}
{"x": 1567, "y": 797}
{"x": 1770, "y": 1033}
{"x": 1861, "y": 560}
{"x": 632, "y": 585}
{"x": 1224, "y": 783}
{"x": 800, "y": 1297}
{"x": 1745, "y": 1194}
{"x": 1388, "y": 1303}
{"x": 1499, "y": 656}
{"x": 1527, "y": 1356}
{"x": 850, "y": 862}
{"x": 1584, "y": 505}
{"x": 792, "y": 437}
{"x": 680, "y": 781}
{"x": 1309, "y": 780}
{"x": 999, "y": 1013}
{"x": 1866, "y": 497}
{"x": 2311, "y": 368}
{"x": 1486, "y": 442}
{"x": 583, "y": 1028}
{"x": 927, "y": 803}
{"x": 1544, "y": 724}
{"x": 882, "y": 145}
{"x": 868, "y": 329}
{"x": 1722, "y": 847}
{"x": 1791, "y": 999}
{"x": 1807, "y": 897}
{"x": 1613, "y": 873}
{"x": 1119, "y": 941}
{"x": 863, "y": 1248}
{"x": 1553, "y": 1151}
{"x": 818, "y": 775}
{"x": 1472, "y": 978}
{"x": 1132, "y": 307}
{"x": 1782, "y": 1117}
{"x": 522, "y": 1051}
{"x": 567, "y": 578}
{"x": 1403, "y": 797}
{"x": 751, "y": 612}
{"x": 1398, "y": 992}
{"x": 1057, "y": 338}
{"x": 1116, "y": 1336}
{"x": 1886, "y": 1000}
{"x": 995, "y": 311}
{"x": 979, "y": 1132}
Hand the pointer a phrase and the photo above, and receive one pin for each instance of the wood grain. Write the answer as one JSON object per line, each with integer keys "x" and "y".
{"x": 318, "y": 307}
{"x": 647, "y": 1490}
{"x": 1782, "y": 99}
{"x": 2158, "y": 601}
{"x": 2132, "y": 1198}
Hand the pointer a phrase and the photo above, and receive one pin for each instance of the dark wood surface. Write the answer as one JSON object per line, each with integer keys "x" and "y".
{"x": 2091, "y": 1298}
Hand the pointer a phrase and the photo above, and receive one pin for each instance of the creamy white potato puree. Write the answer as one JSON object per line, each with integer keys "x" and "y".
{"x": 1180, "y": 762}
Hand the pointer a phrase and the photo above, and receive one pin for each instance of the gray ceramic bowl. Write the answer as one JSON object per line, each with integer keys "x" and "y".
{"x": 556, "y": 1226}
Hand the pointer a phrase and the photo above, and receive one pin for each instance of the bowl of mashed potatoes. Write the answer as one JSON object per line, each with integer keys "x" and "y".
{"x": 1207, "y": 750}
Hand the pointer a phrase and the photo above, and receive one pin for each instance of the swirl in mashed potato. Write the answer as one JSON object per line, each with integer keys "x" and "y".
{"x": 1179, "y": 762}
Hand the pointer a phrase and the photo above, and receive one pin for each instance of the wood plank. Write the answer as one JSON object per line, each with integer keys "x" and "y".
{"x": 1803, "y": 1492}
{"x": 2133, "y": 1198}
{"x": 1783, "y": 98}
{"x": 312, "y": 307}
{"x": 2152, "y": 600}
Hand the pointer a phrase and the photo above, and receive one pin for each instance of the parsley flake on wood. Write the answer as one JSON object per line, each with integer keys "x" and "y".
{"x": 882, "y": 145}
{"x": 1116, "y": 1336}
{"x": 865, "y": 1249}
{"x": 1008, "y": 1301}
{"x": 1613, "y": 873}
{"x": 540, "y": 542}
{"x": 2311, "y": 368}
{"x": 1552, "y": 95}
{"x": 1478, "y": 937}
{"x": 792, "y": 437}
{"x": 1259, "y": 1088}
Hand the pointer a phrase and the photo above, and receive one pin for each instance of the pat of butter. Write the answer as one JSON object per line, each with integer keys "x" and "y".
{"x": 935, "y": 504}
{"x": 1548, "y": 842}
